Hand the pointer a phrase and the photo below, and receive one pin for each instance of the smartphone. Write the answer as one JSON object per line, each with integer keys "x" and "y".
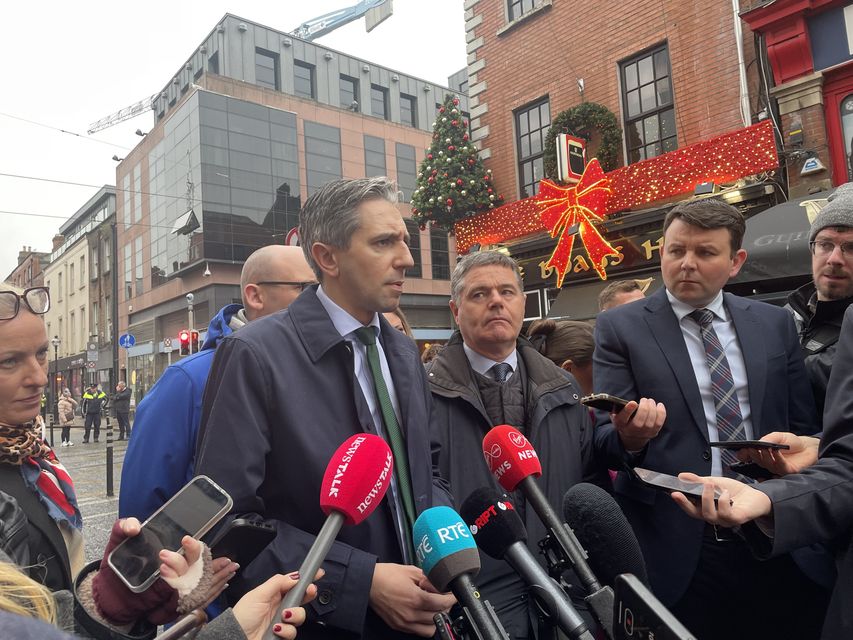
{"x": 664, "y": 482}
{"x": 752, "y": 470}
{"x": 192, "y": 511}
{"x": 242, "y": 540}
{"x": 604, "y": 402}
{"x": 639, "y": 615}
{"x": 737, "y": 445}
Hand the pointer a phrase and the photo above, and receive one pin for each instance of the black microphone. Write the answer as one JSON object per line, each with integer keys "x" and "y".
{"x": 448, "y": 554}
{"x": 604, "y": 532}
{"x": 500, "y": 533}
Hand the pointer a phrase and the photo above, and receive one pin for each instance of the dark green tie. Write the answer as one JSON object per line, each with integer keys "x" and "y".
{"x": 367, "y": 336}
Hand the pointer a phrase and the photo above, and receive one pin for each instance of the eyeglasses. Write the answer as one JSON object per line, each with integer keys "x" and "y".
{"x": 37, "y": 300}
{"x": 824, "y": 248}
{"x": 301, "y": 285}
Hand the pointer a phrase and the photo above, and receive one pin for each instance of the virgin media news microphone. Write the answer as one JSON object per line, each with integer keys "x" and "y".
{"x": 604, "y": 532}
{"x": 515, "y": 465}
{"x": 448, "y": 556}
{"x": 500, "y": 533}
{"x": 356, "y": 479}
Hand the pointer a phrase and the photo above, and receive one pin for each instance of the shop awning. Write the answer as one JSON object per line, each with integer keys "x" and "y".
{"x": 777, "y": 240}
{"x": 580, "y": 301}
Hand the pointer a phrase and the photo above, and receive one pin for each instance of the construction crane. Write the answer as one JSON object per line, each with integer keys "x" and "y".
{"x": 309, "y": 30}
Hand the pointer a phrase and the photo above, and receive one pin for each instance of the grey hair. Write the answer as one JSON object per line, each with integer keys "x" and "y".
{"x": 330, "y": 215}
{"x": 480, "y": 259}
{"x": 5, "y": 307}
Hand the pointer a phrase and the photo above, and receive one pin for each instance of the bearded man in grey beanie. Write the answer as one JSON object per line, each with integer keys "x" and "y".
{"x": 818, "y": 307}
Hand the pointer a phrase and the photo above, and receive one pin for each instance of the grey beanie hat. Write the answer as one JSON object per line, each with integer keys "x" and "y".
{"x": 838, "y": 211}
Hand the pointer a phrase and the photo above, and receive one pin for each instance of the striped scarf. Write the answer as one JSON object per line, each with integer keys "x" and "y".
{"x": 42, "y": 471}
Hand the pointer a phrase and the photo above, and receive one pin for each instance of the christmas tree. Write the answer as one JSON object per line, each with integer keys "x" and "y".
{"x": 452, "y": 182}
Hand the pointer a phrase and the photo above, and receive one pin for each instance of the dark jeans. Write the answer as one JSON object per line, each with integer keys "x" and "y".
{"x": 123, "y": 424}
{"x": 66, "y": 433}
{"x": 734, "y": 596}
{"x": 92, "y": 418}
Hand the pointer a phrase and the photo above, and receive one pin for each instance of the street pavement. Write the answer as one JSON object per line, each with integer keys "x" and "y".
{"x": 86, "y": 463}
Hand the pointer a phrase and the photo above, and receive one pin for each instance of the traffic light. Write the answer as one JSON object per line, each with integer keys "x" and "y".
{"x": 195, "y": 341}
{"x": 184, "y": 337}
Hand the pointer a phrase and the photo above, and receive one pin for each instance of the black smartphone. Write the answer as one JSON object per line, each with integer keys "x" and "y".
{"x": 639, "y": 615}
{"x": 752, "y": 470}
{"x": 242, "y": 540}
{"x": 668, "y": 483}
{"x": 192, "y": 511}
{"x": 604, "y": 402}
{"x": 737, "y": 445}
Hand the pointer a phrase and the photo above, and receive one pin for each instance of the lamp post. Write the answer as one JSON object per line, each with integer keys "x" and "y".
{"x": 190, "y": 299}
{"x": 55, "y": 341}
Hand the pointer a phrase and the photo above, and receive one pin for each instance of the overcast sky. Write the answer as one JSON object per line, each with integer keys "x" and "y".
{"x": 68, "y": 64}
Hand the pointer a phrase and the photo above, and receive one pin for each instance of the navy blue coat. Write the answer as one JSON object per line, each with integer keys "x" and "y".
{"x": 280, "y": 399}
{"x": 640, "y": 352}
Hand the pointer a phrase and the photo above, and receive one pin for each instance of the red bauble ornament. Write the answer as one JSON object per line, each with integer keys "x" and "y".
{"x": 431, "y": 180}
{"x": 489, "y": 190}
{"x": 486, "y": 177}
{"x": 465, "y": 123}
{"x": 450, "y": 202}
{"x": 429, "y": 157}
{"x": 501, "y": 198}
{"x": 454, "y": 122}
{"x": 465, "y": 137}
{"x": 471, "y": 161}
{"x": 455, "y": 102}
{"x": 459, "y": 182}
{"x": 451, "y": 148}
{"x": 441, "y": 109}
{"x": 446, "y": 175}
{"x": 434, "y": 171}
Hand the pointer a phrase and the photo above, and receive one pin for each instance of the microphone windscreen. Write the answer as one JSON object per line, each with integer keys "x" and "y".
{"x": 357, "y": 477}
{"x": 511, "y": 458}
{"x": 493, "y": 521}
{"x": 604, "y": 531}
{"x": 444, "y": 546}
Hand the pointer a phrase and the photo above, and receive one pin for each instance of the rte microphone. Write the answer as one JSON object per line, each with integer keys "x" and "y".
{"x": 356, "y": 479}
{"x": 448, "y": 555}
{"x": 604, "y": 532}
{"x": 500, "y": 533}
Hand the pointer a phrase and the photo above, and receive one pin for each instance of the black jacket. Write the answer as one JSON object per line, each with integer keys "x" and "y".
{"x": 818, "y": 325}
{"x": 121, "y": 401}
{"x": 558, "y": 427}
{"x": 281, "y": 397}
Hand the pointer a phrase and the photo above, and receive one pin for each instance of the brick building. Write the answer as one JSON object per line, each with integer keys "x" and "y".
{"x": 249, "y": 126}
{"x": 30, "y": 269}
{"x": 809, "y": 46}
{"x": 673, "y": 74}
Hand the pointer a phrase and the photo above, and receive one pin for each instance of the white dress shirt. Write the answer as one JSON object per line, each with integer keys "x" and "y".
{"x": 725, "y": 331}
{"x": 483, "y": 365}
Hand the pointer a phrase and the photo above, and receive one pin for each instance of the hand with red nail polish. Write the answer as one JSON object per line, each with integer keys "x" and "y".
{"x": 255, "y": 610}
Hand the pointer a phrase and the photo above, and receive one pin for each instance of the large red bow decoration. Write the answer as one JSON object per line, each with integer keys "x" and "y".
{"x": 576, "y": 209}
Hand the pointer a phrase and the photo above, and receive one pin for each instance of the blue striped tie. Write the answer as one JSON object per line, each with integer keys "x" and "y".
{"x": 729, "y": 418}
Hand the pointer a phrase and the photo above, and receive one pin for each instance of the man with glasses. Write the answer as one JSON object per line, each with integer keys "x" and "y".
{"x": 160, "y": 457}
{"x": 818, "y": 307}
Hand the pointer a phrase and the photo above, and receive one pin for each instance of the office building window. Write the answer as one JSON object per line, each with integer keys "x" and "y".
{"x": 96, "y": 318}
{"x": 374, "y": 156}
{"x": 71, "y": 279}
{"x": 322, "y": 155}
{"x": 304, "y": 83}
{"x": 213, "y": 63}
{"x": 408, "y": 110}
{"x": 379, "y": 102}
{"x": 407, "y": 170}
{"x": 59, "y": 287}
{"x": 415, "y": 248}
{"x": 518, "y": 8}
{"x": 648, "y": 105}
{"x": 531, "y": 125}
{"x": 266, "y": 69}
{"x": 139, "y": 270}
{"x": 72, "y": 332}
{"x": 439, "y": 254}
{"x": 95, "y": 268}
{"x": 349, "y": 92}
{"x": 128, "y": 272}
{"x": 82, "y": 270}
{"x": 107, "y": 256}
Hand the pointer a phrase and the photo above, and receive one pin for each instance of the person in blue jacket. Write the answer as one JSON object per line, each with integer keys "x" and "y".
{"x": 160, "y": 457}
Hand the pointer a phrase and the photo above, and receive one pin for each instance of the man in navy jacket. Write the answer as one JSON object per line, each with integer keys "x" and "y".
{"x": 286, "y": 391}
{"x": 653, "y": 351}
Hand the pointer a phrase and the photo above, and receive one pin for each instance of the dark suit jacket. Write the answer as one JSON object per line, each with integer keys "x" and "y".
{"x": 640, "y": 353}
{"x": 817, "y": 505}
{"x": 280, "y": 399}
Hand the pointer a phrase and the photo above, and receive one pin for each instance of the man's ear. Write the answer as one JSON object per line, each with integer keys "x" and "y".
{"x": 568, "y": 365}
{"x": 326, "y": 257}
{"x": 455, "y": 311}
{"x": 252, "y": 297}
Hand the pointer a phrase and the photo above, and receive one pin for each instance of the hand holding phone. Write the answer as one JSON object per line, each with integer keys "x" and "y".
{"x": 604, "y": 402}
{"x": 192, "y": 511}
{"x": 242, "y": 540}
{"x": 668, "y": 483}
{"x": 737, "y": 445}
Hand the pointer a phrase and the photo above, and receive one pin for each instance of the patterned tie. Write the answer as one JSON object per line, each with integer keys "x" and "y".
{"x": 501, "y": 371}
{"x": 393, "y": 433}
{"x": 729, "y": 419}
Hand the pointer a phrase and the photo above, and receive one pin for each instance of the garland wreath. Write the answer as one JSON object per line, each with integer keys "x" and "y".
{"x": 574, "y": 121}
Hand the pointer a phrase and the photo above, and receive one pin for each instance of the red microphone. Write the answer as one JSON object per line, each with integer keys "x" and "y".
{"x": 514, "y": 463}
{"x": 356, "y": 479}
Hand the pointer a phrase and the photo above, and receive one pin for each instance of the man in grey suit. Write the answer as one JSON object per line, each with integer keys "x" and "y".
{"x": 707, "y": 366}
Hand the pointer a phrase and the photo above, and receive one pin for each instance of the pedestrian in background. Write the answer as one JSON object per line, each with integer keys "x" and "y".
{"x": 93, "y": 403}
{"x": 67, "y": 405}
{"x": 121, "y": 405}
